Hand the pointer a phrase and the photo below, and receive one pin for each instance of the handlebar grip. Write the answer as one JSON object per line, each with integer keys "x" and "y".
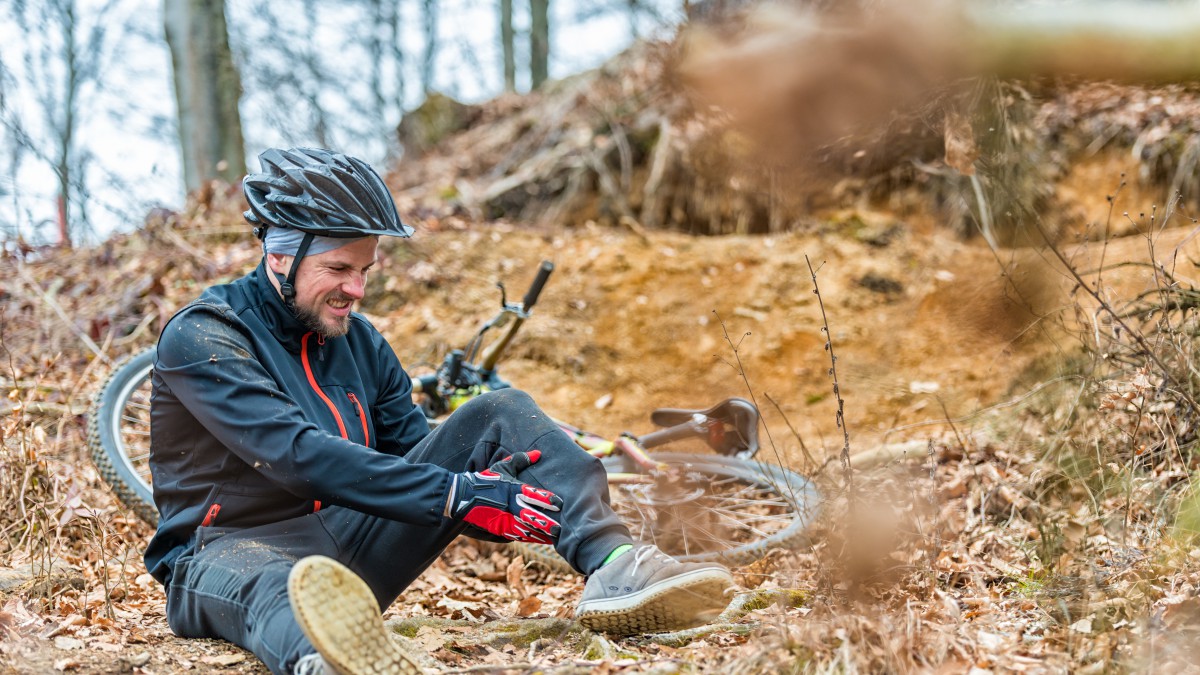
{"x": 424, "y": 384}
{"x": 539, "y": 282}
{"x": 455, "y": 361}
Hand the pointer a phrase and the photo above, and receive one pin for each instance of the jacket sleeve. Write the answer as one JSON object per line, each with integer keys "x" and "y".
{"x": 205, "y": 358}
{"x": 399, "y": 424}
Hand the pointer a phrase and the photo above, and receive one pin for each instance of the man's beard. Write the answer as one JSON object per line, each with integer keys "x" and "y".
{"x": 312, "y": 320}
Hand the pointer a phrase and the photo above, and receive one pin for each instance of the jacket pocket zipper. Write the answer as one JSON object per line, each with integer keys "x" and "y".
{"x": 211, "y": 516}
{"x": 312, "y": 381}
{"x": 362, "y": 417}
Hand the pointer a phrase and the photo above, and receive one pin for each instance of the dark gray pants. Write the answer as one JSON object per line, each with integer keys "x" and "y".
{"x": 233, "y": 584}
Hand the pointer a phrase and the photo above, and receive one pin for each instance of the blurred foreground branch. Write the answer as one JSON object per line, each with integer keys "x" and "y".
{"x": 798, "y": 79}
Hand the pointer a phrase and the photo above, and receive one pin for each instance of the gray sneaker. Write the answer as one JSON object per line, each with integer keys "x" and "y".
{"x": 338, "y": 612}
{"x": 312, "y": 664}
{"x": 647, "y": 591}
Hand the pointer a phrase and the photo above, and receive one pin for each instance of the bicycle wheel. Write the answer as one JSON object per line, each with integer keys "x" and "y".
{"x": 708, "y": 508}
{"x": 119, "y": 434}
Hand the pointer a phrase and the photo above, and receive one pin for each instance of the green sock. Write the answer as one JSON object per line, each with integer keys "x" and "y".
{"x": 617, "y": 553}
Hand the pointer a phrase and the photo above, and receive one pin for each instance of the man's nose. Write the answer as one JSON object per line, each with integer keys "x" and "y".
{"x": 356, "y": 287}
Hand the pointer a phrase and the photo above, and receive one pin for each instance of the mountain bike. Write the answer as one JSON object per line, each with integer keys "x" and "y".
{"x": 718, "y": 505}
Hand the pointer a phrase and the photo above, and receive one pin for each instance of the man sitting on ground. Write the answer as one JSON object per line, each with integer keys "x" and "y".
{"x": 300, "y": 489}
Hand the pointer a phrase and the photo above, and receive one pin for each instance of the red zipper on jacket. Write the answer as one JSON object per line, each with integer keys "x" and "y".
{"x": 362, "y": 417}
{"x": 312, "y": 381}
{"x": 358, "y": 409}
{"x": 211, "y": 515}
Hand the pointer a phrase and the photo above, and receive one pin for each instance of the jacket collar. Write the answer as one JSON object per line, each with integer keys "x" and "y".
{"x": 274, "y": 314}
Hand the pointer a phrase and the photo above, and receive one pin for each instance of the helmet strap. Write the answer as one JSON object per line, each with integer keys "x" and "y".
{"x": 288, "y": 287}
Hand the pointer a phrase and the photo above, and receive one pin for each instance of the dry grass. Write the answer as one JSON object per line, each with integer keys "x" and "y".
{"x": 1064, "y": 541}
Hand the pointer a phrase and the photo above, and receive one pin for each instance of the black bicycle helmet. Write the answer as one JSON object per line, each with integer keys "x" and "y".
{"x": 320, "y": 192}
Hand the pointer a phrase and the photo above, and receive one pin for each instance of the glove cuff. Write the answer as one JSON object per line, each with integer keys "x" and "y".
{"x": 451, "y": 493}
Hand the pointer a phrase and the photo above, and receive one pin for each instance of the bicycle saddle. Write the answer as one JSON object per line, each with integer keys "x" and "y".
{"x": 737, "y": 434}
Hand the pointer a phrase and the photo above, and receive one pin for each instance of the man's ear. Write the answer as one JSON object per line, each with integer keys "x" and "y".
{"x": 280, "y": 263}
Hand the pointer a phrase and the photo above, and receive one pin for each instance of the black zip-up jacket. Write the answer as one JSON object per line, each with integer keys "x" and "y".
{"x": 255, "y": 420}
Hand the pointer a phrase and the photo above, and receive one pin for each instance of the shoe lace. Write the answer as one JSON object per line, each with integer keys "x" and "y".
{"x": 645, "y": 553}
{"x": 311, "y": 664}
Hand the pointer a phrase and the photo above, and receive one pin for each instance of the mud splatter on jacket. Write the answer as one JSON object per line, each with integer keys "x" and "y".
{"x": 256, "y": 420}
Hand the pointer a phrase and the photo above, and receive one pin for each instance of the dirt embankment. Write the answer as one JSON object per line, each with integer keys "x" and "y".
{"x": 919, "y": 322}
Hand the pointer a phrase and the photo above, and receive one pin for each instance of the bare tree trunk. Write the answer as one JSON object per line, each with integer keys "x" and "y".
{"x": 397, "y": 53}
{"x": 316, "y": 80}
{"x": 429, "y": 17}
{"x": 539, "y": 42}
{"x": 66, "y": 135}
{"x": 507, "y": 45}
{"x": 207, "y": 89}
{"x": 375, "y": 49}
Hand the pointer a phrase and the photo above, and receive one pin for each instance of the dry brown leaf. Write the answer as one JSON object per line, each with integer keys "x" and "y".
{"x": 429, "y": 638}
{"x": 513, "y": 575}
{"x": 446, "y": 656}
{"x": 529, "y": 606}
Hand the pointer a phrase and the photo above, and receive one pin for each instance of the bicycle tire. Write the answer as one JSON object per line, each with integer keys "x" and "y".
{"x": 784, "y": 490}
{"x": 119, "y": 413}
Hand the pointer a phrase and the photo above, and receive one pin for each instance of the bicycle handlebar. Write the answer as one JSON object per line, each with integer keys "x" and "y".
{"x": 539, "y": 282}
{"x": 425, "y": 384}
{"x": 460, "y": 368}
{"x": 487, "y": 363}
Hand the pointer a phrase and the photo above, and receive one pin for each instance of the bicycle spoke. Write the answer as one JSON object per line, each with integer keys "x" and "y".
{"x": 643, "y": 518}
{"x": 748, "y": 518}
{"x": 750, "y": 501}
{"x": 700, "y": 509}
{"x": 743, "y": 524}
{"x": 691, "y": 524}
{"x": 708, "y": 534}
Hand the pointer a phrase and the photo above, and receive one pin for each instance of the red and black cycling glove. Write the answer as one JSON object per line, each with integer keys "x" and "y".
{"x": 495, "y": 501}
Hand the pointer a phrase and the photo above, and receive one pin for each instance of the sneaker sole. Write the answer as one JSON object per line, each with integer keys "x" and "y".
{"x": 337, "y": 611}
{"x": 684, "y": 601}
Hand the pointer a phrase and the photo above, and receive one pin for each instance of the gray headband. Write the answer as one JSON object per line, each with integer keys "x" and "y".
{"x": 286, "y": 241}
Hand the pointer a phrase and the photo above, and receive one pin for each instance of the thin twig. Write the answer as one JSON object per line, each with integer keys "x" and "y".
{"x": 847, "y": 471}
{"x": 809, "y": 462}
{"x": 741, "y": 370}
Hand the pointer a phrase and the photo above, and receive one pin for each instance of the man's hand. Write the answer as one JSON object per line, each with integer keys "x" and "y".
{"x": 495, "y": 501}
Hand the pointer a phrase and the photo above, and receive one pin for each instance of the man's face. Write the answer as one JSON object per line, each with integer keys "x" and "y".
{"x": 328, "y": 284}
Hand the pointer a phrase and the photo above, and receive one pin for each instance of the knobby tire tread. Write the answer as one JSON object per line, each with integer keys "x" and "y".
{"x": 102, "y": 436}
